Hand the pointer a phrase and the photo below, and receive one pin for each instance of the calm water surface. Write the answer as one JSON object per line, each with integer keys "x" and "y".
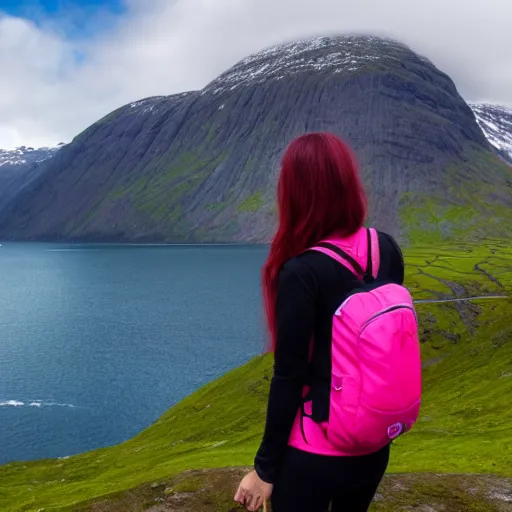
{"x": 96, "y": 342}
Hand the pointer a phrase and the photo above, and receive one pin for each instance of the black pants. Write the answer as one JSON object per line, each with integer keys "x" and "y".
{"x": 310, "y": 483}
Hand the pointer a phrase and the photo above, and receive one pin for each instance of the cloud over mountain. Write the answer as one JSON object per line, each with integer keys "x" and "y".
{"x": 58, "y": 84}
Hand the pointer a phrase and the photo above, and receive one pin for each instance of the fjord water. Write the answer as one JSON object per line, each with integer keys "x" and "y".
{"x": 96, "y": 341}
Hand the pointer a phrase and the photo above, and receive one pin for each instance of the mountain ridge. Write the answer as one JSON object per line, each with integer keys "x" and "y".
{"x": 289, "y": 58}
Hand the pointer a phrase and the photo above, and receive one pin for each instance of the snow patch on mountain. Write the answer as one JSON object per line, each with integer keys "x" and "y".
{"x": 496, "y": 123}
{"x": 23, "y": 155}
{"x": 154, "y": 104}
{"x": 339, "y": 54}
{"x": 148, "y": 104}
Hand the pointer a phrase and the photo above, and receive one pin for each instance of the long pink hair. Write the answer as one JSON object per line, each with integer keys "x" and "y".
{"x": 319, "y": 194}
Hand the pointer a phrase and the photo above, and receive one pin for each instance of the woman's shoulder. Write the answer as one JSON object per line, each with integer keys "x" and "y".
{"x": 310, "y": 267}
{"x": 386, "y": 235}
{"x": 308, "y": 272}
{"x": 391, "y": 257}
{"x": 389, "y": 242}
{"x": 306, "y": 262}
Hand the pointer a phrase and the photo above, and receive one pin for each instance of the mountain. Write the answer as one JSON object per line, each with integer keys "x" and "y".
{"x": 202, "y": 166}
{"x": 18, "y": 168}
{"x": 496, "y": 123}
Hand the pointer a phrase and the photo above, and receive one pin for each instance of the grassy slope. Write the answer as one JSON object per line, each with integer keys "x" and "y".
{"x": 472, "y": 203}
{"x": 464, "y": 426}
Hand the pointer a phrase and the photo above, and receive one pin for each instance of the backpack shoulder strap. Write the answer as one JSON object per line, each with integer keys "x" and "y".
{"x": 333, "y": 250}
{"x": 374, "y": 249}
{"x": 336, "y": 253}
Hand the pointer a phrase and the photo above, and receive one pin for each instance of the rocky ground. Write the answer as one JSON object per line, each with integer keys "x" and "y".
{"x": 212, "y": 491}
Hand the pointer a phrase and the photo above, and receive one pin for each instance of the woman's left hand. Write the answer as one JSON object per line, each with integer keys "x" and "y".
{"x": 253, "y": 492}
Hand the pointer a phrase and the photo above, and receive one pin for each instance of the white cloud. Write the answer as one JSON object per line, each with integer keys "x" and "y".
{"x": 167, "y": 46}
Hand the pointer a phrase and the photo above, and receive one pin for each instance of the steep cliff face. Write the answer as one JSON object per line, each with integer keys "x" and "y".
{"x": 18, "y": 167}
{"x": 496, "y": 123}
{"x": 202, "y": 166}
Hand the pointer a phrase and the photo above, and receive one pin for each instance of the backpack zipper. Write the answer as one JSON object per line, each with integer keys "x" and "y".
{"x": 388, "y": 310}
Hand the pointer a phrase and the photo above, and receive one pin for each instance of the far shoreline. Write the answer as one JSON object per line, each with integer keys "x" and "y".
{"x": 134, "y": 244}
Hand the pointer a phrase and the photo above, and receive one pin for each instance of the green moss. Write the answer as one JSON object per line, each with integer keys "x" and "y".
{"x": 475, "y": 204}
{"x": 161, "y": 212}
{"x": 252, "y": 203}
{"x": 88, "y": 216}
{"x": 187, "y": 162}
{"x": 221, "y": 205}
{"x": 118, "y": 193}
{"x": 188, "y": 485}
{"x": 211, "y": 133}
{"x": 140, "y": 185}
{"x": 464, "y": 425}
{"x": 250, "y": 164}
{"x": 158, "y": 198}
{"x": 216, "y": 206}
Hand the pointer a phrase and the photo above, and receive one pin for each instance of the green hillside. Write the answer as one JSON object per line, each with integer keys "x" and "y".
{"x": 464, "y": 426}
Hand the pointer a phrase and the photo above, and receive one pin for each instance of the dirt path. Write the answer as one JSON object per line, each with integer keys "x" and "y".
{"x": 462, "y": 299}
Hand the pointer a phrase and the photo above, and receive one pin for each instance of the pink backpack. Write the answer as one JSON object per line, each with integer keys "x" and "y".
{"x": 376, "y": 365}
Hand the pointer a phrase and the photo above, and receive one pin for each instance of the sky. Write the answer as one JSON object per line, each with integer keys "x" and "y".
{"x": 66, "y": 63}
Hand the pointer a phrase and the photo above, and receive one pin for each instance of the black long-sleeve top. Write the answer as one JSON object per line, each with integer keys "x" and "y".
{"x": 311, "y": 287}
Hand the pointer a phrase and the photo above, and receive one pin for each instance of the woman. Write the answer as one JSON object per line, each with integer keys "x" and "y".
{"x": 320, "y": 195}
